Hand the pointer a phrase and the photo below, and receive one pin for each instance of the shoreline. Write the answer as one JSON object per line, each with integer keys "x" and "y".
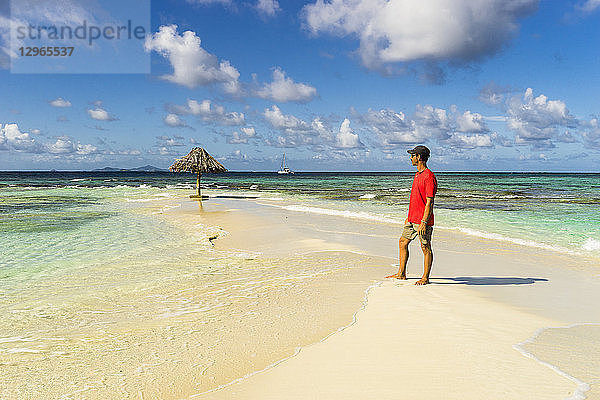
{"x": 582, "y": 387}
{"x": 297, "y": 350}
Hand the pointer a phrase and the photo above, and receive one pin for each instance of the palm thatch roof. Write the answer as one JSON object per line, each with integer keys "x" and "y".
{"x": 197, "y": 161}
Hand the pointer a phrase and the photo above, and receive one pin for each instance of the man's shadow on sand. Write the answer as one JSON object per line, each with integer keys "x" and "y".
{"x": 489, "y": 281}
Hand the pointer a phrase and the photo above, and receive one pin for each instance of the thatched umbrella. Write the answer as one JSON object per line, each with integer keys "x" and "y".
{"x": 199, "y": 161}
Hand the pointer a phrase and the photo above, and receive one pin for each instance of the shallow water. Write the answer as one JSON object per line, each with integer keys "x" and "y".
{"x": 106, "y": 291}
{"x": 553, "y": 211}
{"x": 129, "y": 296}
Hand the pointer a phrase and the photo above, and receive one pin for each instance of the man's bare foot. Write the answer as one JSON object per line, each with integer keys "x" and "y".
{"x": 422, "y": 281}
{"x": 397, "y": 276}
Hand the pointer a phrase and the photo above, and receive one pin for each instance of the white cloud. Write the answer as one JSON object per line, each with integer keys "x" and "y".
{"x": 463, "y": 141}
{"x": 453, "y": 129}
{"x": 127, "y": 152}
{"x": 11, "y": 137}
{"x": 244, "y": 136}
{"x": 167, "y": 141}
{"x": 84, "y": 149}
{"x": 470, "y": 122}
{"x": 100, "y": 114}
{"x": 237, "y": 138}
{"x": 192, "y": 65}
{"x": 591, "y": 133}
{"x": 286, "y": 123}
{"x": 393, "y": 31}
{"x": 284, "y": 89}
{"x": 533, "y": 157}
{"x": 209, "y": 112}
{"x": 432, "y": 121}
{"x": 346, "y": 138}
{"x": 236, "y": 155}
{"x": 294, "y": 131}
{"x": 392, "y": 129}
{"x": 267, "y": 8}
{"x": 206, "y": 108}
{"x": 248, "y": 131}
{"x": 173, "y": 120}
{"x": 167, "y": 151}
{"x": 566, "y": 137}
{"x": 536, "y": 120}
{"x": 65, "y": 145}
{"x": 60, "y": 102}
{"x": 589, "y": 6}
{"x": 316, "y": 134}
{"x": 495, "y": 118}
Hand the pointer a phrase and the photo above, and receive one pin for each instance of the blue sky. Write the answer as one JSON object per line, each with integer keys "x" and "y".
{"x": 338, "y": 85}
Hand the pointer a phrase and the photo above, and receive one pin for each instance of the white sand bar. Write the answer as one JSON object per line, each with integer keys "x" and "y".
{"x": 452, "y": 339}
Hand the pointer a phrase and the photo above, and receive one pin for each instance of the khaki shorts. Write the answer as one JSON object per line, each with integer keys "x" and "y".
{"x": 411, "y": 231}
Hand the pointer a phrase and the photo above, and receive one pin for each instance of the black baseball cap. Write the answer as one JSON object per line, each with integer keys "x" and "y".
{"x": 424, "y": 151}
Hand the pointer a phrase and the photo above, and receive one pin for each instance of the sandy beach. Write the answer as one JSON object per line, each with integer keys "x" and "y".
{"x": 480, "y": 330}
{"x": 285, "y": 298}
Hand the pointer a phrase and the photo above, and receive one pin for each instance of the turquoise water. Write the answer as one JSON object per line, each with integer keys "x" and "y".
{"x": 554, "y": 211}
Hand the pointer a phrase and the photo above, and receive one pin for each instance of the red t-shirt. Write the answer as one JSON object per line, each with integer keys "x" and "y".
{"x": 424, "y": 186}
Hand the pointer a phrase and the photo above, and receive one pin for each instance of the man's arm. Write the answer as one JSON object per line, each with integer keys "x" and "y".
{"x": 426, "y": 215}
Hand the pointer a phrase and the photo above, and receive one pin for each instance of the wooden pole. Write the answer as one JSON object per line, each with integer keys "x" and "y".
{"x": 198, "y": 185}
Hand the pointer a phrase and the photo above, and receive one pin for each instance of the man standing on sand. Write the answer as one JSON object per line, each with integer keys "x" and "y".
{"x": 420, "y": 215}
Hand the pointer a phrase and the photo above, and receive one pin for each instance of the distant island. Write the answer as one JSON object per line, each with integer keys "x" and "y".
{"x": 145, "y": 168}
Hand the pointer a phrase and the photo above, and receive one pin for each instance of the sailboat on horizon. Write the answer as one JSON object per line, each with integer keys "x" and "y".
{"x": 284, "y": 170}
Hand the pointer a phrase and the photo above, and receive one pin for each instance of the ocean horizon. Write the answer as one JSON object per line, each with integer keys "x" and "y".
{"x": 165, "y": 170}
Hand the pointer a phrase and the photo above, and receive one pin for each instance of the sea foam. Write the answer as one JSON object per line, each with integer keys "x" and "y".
{"x": 368, "y": 196}
{"x": 343, "y": 213}
{"x": 502, "y": 238}
{"x": 591, "y": 245}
